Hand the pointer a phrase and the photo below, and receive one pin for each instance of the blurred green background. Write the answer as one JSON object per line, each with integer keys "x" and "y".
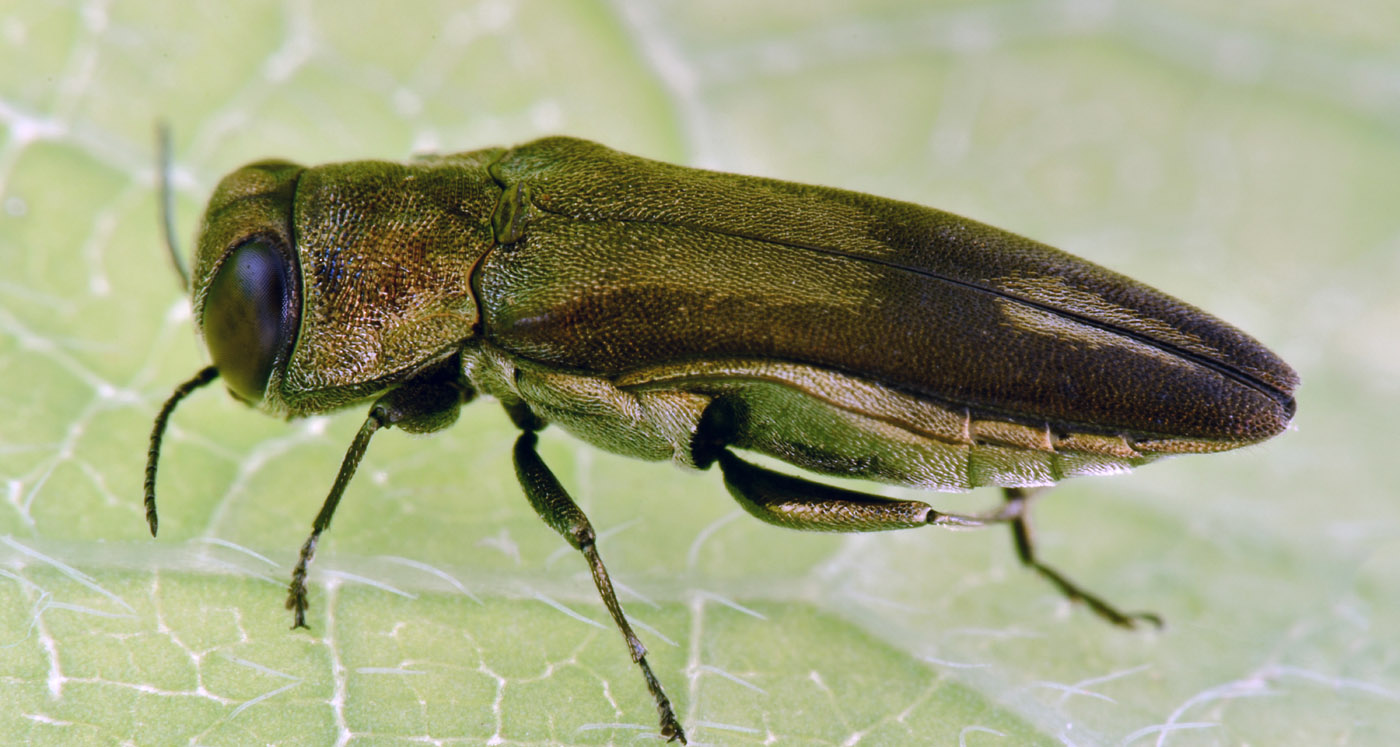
{"x": 1242, "y": 156}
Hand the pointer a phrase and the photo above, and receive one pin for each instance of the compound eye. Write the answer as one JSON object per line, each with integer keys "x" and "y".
{"x": 248, "y": 316}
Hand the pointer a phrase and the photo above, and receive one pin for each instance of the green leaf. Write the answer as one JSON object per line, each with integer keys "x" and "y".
{"x": 1241, "y": 156}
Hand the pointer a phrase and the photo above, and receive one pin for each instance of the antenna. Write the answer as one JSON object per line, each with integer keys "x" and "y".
{"x": 200, "y": 379}
{"x": 167, "y": 202}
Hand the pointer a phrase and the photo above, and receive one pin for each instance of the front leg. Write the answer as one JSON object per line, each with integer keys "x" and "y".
{"x": 557, "y": 508}
{"x": 430, "y": 401}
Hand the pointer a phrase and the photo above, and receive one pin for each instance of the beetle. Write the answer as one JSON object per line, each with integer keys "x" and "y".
{"x": 670, "y": 313}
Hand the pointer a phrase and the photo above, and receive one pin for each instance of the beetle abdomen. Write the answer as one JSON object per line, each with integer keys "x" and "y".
{"x": 678, "y": 265}
{"x": 831, "y": 423}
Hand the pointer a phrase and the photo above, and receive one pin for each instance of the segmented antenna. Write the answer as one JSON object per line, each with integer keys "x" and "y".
{"x": 167, "y": 203}
{"x": 158, "y": 432}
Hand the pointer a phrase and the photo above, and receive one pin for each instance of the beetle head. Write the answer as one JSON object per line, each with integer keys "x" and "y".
{"x": 247, "y": 278}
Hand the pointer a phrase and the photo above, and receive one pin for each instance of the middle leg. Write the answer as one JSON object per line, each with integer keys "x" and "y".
{"x": 557, "y": 508}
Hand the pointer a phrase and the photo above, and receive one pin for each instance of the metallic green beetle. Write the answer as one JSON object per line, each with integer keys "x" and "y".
{"x": 670, "y": 313}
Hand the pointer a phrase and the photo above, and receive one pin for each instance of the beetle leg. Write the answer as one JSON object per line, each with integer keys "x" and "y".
{"x": 296, "y": 591}
{"x": 423, "y": 404}
{"x": 795, "y": 503}
{"x": 1018, "y": 503}
{"x": 524, "y": 418}
{"x": 559, "y": 511}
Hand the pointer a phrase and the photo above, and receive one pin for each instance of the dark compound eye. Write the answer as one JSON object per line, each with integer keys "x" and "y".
{"x": 248, "y": 316}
